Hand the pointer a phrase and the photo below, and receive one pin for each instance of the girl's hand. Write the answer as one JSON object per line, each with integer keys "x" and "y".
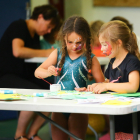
{"x": 100, "y": 87}
{"x": 91, "y": 87}
{"x": 81, "y": 89}
{"x": 52, "y": 71}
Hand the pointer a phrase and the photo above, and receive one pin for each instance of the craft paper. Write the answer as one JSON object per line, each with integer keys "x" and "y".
{"x": 137, "y": 94}
{"x": 10, "y": 97}
{"x": 117, "y": 102}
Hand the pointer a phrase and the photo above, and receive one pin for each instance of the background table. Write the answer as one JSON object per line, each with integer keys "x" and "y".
{"x": 102, "y": 60}
{"x": 59, "y": 105}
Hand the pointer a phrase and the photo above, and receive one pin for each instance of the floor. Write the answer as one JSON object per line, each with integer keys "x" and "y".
{"x": 8, "y": 127}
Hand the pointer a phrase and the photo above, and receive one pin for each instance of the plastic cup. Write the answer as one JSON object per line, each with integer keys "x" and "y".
{"x": 55, "y": 87}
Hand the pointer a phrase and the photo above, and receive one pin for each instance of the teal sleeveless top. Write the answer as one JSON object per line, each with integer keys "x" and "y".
{"x": 73, "y": 73}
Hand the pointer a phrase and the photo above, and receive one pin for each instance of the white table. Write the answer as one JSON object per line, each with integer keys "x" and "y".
{"x": 58, "y": 105}
{"x": 102, "y": 60}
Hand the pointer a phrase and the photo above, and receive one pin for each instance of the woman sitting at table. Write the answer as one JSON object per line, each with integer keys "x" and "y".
{"x": 21, "y": 41}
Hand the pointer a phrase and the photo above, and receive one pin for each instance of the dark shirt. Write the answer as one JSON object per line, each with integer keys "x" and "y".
{"x": 10, "y": 64}
{"x": 120, "y": 74}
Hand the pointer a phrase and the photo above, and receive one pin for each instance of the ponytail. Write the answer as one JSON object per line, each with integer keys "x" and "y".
{"x": 132, "y": 46}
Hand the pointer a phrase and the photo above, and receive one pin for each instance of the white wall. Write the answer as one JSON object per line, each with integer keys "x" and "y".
{"x": 35, "y": 3}
{"x": 90, "y": 12}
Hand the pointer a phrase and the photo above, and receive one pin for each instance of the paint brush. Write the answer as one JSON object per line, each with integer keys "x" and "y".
{"x": 45, "y": 80}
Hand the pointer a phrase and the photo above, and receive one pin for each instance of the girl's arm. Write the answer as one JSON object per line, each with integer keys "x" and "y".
{"x": 96, "y": 70}
{"x": 97, "y": 74}
{"x": 127, "y": 87}
{"x": 47, "y": 68}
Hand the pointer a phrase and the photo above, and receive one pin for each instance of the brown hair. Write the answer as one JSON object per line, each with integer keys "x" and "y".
{"x": 95, "y": 27}
{"x": 80, "y": 26}
{"x": 51, "y": 37}
{"x": 48, "y": 12}
{"x": 115, "y": 30}
{"x": 123, "y": 20}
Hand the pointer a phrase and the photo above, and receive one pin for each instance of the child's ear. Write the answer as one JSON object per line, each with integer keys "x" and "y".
{"x": 40, "y": 16}
{"x": 119, "y": 42}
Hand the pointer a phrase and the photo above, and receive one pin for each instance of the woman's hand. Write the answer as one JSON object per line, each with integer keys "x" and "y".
{"x": 97, "y": 88}
{"x": 52, "y": 71}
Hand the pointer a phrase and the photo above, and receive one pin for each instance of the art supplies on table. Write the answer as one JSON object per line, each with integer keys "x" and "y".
{"x": 65, "y": 94}
{"x": 117, "y": 102}
{"x": 7, "y": 91}
{"x": 55, "y": 87}
{"x": 137, "y": 94}
{"x": 10, "y": 97}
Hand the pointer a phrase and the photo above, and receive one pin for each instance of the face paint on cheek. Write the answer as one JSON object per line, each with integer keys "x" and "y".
{"x": 108, "y": 51}
{"x": 79, "y": 47}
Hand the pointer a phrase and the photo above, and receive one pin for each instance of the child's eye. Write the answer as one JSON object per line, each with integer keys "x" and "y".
{"x": 104, "y": 45}
{"x": 78, "y": 42}
{"x": 69, "y": 42}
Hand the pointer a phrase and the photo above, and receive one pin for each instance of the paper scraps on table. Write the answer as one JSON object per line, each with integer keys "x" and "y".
{"x": 117, "y": 102}
{"x": 90, "y": 101}
{"x": 70, "y": 92}
{"x": 60, "y": 93}
{"x": 137, "y": 94}
{"x": 10, "y": 97}
{"x": 70, "y": 97}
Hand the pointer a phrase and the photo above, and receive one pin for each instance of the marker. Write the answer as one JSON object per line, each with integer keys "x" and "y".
{"x": 39, "y": 94}
{"x": 7, "y": 91}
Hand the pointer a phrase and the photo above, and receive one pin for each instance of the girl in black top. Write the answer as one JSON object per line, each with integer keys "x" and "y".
{"x": 123, "y": 72}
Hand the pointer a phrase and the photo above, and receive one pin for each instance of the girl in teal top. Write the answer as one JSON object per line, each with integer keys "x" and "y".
{"x": 73, "y": 64}
{"x": 73, "y": 73}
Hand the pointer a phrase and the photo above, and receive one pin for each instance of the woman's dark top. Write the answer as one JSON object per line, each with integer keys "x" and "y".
{"x": 10, "y": 64}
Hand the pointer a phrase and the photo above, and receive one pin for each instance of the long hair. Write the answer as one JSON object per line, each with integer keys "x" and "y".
{"x": 80, "y": 26}
{"x": 115, "y": 30}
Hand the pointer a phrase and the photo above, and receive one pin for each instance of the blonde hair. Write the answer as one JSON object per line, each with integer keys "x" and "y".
{"x": 115, "y": 30}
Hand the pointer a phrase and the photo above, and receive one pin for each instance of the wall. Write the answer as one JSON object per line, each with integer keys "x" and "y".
{"x": 35, "y": 3}
{"x": 86, "y": 9}
{"x": 72, "y": 7}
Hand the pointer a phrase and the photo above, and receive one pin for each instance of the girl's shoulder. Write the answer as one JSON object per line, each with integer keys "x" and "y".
{"x": 130, "y": 58}
{"x": 131, "y": 63}
{"x": 92, "y": 55}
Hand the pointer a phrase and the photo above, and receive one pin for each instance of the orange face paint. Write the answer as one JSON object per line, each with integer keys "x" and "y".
{"x": 108, "y": 51}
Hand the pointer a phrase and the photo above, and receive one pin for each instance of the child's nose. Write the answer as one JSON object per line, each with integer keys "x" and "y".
{"x": 102, "y": 48}
{"x": 74, "y": 45}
